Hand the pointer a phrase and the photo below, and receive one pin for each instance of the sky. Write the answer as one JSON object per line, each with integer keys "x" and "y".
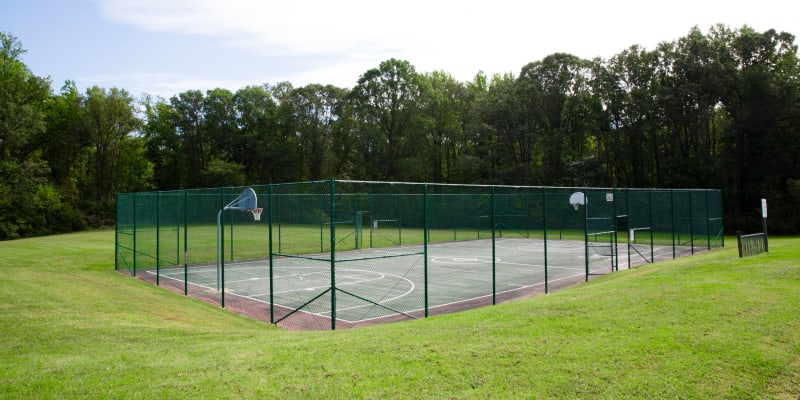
{"x": 165, "y": 47}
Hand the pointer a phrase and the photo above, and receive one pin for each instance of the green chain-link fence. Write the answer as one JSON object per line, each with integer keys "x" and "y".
{"x": 334, "y": 253}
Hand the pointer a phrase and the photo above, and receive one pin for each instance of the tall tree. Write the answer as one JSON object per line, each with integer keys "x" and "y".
{"x": 196, "y": 149}
{"x": 556, "y": 95}
{"x": 316, "y": 111}
{"x": 387, "y": 100}
{"x": 108, "y": 119}
{"x": 762, "y": 143}
{"x": 629, "y": 140}
{"x": 164, "y": 146}
{"x": 445, "y": 108}
{"x": 256, "y": 119}
{"x": 506, "y": 146}
{"x": 27, "y": 199}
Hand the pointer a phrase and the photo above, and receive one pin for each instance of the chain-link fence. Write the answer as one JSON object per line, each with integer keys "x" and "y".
{"x": 334, "y": 253}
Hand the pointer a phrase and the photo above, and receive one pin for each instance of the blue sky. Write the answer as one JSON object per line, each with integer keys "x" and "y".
{"x": 164, "y": 47}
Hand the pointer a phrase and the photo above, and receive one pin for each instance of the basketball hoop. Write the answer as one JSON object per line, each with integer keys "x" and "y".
{"x": 256, "y": 213}
{"x": 577, "y": 199}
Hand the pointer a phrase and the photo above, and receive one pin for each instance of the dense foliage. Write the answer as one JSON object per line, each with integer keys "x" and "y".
{"x": 717, "y": 110}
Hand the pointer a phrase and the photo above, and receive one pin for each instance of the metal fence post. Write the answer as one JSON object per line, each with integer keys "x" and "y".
{"x": 425, "y": 239}
{"x": 185, "y": 243}
{"x": 116, "y": 233}
{"x": 650, "y": 224}
{"x": 544, "y": 225}
{"x": 672, "y": 211}
{"x": 135, "y": 228}
{"x": 586, "y": 231}
{"x": 271, "y": 257}
{"x": 221, "y": 272}
{"x": 708, "y": 222}
{"x": 333, "y": 252}
{"x": 158, "y": 238}
{"x": 494, "y": 250}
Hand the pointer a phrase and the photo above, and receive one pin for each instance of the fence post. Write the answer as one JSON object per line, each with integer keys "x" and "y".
{"x": 221, "y": 266}
{"x": 586, "y": 231}
{"x": 615, "y": 254}
{"x": 544, "y": 225}
{"x": 135, "y": 228}
{"x": 116, "y": 232}
{"x": 333, "y": 254}
{"x": 158, "y": 238}
{"x": 672, "y": 211}
{"x": 708, "y": 222}
{"x": 650, "y": 224}
{"x": 739, "y": 239}
{"x": 691, "y": 221}
{"x": 185, "y": 242}
{"x": 425, "y": 240}
{"x": 494, "y": 250}
{"x": 271, "y": 257}
{"x": 764, "y": 223}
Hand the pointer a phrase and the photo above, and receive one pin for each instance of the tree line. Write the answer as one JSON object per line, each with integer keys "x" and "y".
{"x": 708, "y": 110}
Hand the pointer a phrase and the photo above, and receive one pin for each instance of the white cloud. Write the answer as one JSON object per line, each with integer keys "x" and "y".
{"x": 459, "y": 37}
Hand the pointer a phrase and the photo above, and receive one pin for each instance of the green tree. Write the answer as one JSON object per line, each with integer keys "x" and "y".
{"x": 195, "y": 151}
{"x": 507, "y": 145}
{"x": 387, "y": 100}
{"x": 163, "y": 145}
{"x": 220, "y": 123}
{"x": 761, "y": 155}
{"x": 445, "y": 108}
{"x": 316, "y": 112}
{"x": 628, "y": 140}
{"x": 689, "y": 94}
{"x": 256, "y": 112}
{"x": 557, "y": 121}
{"x": 28, "y": 201}
{"x": 109, "y": 121}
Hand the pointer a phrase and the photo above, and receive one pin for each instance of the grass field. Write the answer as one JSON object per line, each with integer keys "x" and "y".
{"x": 708, "y": 326}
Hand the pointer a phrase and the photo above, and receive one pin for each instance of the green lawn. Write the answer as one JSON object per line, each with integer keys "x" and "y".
{"x": 707, "y": 326}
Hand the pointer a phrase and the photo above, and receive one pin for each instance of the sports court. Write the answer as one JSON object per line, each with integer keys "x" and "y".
{"x": 334, "y": 254}
{"x": 388, "y": 283}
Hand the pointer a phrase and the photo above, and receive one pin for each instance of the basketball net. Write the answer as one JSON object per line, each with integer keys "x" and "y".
{"x": 256, "y": 213}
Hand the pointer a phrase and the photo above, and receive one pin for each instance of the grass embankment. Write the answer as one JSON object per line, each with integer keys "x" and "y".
{"x": 708, "y": 326}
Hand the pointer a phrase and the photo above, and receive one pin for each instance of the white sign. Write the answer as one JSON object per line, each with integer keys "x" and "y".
{"x": 763, "y": 208}
{"x": 609, "y": 197}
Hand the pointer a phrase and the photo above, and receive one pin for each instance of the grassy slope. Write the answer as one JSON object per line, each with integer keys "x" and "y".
{"x": 709, "y": 326}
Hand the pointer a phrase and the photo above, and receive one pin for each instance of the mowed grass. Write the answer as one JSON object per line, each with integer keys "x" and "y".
{"x": 707, "y": 326}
